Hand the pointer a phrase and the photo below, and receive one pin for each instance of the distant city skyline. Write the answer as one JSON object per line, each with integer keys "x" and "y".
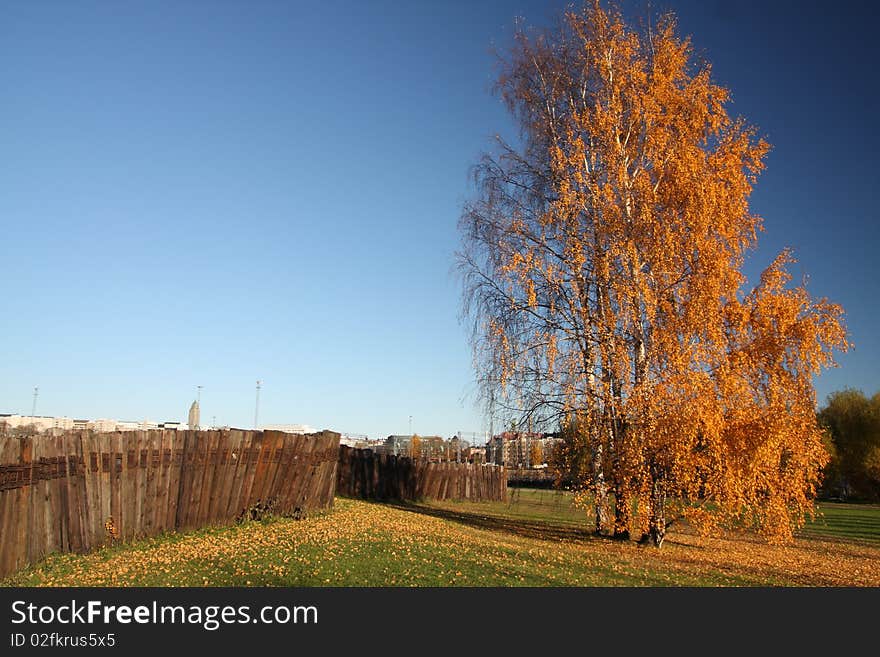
{"x": 44, "y": 422}
{"x": 185, "y": 415}
{"x": 211, "y": 194}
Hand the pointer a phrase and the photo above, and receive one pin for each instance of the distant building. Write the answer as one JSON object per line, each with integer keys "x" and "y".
{"x": 397, "y": 445}
{"x": 289, "y": 428}
{"x": 513, "y": 448}
{"x": 358, "y": 441}
{"x": 102, "y": 424}
{"x": 453, "y": 451}
{"x": 431, "y": 448}
{"x": 193, "y": 420}
{"x": 476, "y": 455}
{"x": 41, "y": 424}
{"x": 38, "y": 423}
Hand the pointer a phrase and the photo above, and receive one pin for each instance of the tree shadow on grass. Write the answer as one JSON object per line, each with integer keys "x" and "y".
{"x": 516, "y": 526}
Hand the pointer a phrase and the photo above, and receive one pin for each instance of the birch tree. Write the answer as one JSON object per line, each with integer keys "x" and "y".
{"x": 602, "y": 265}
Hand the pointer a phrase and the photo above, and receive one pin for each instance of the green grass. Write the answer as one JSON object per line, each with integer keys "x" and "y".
{"x": 537, "y": 538}
{"x": 836, "y": 520}
{"x": 850, "y": 522}
{"x": 545, "y": 505}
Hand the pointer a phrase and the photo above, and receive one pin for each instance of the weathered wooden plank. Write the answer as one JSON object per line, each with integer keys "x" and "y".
{"x": 127, "y": 466}
{"x": 227, "y": 501}
{"x": 322, "y": 482}
{"x": 195, "y": 470}
{"x": 188, "y": 457}
{"x": 90, "y": 495}
{"x": 270, "y": 494}
{"x": 144, "y": 485}
{"x": 24, "y": 504}
{"x": 264, "y": 473}
{"x": 138, "y": 457}
{"x": 218, "y": 479}
{"x": 105, "y": 466}
{"x": 116, "y": 461}
{"x": 76, "y": 491}
{"x": 332, "y": 464}
{"x": 273, "y": 453}
{"x": 299, "y": 475}
{"x": 280, "y": 488}
{"x": 313, "y": 497}
{"x": 304, "y": 473}
{"x": 162, "y": 462}
{"x": 49, "y": 496}
{"x": 10, "y": 512}
{"x": 151, "y": 483}
{"x": 259, "y": 470}
{"x": 236, "y": 502}
{"x": 141, "y": 447}
{"x": 180, "y": 480}
{"x": 19, "y": 503}
{"x": 39, "y": 503}
{"x": 198, "y": 478}
{"x": 212, "y": 457}
{"x": 162, "y": 513}
{"x": 254, "y": 468}
{"x": 62, "y": 526}
{"x": 66, "y": 488}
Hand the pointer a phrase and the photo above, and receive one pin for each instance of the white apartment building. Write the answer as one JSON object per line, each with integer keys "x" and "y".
{"x": 289, "y": 428}
{"x": 42, "y": 423}
{"x": 39, "y": 422}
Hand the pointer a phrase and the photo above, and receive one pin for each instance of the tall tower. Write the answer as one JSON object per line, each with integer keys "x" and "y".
{"x": 194, "y": 416}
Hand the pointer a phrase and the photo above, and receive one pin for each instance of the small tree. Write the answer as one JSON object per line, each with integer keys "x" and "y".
{"x": 536, "y": 454}
{"x": 852, "y": 421}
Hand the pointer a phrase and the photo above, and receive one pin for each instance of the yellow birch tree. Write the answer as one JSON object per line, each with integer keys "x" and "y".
{"x": 602, "y": 262}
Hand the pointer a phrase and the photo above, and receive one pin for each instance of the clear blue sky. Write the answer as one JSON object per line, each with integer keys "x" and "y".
{"x": 211, "y": 193}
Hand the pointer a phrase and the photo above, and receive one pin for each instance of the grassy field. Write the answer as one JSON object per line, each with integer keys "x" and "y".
{"x": 537, "y": 538}
{"x": 854, "y": 522}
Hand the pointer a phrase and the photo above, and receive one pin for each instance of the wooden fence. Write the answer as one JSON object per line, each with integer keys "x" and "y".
{"x": 531, "y": 477}
{"x": 80, "y": 490}
{"x": 365, "y": 474}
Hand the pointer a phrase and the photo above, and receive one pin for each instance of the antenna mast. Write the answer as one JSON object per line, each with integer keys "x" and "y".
{"x": 257, "y": 408}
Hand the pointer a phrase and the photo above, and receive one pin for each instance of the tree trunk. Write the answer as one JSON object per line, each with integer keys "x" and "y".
{"x": 621, "y": 498}
{"x": 657, "y": 523}
{"x": 599, "y": 488}
{"x": 621, "y": 513}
